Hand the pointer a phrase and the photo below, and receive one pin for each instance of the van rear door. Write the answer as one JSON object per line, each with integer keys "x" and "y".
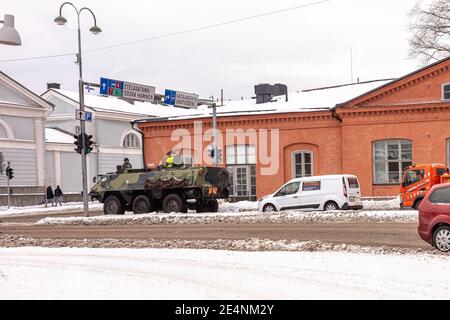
{"x": 353, "y": 190}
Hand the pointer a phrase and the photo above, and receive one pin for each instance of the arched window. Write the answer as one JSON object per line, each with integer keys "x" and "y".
{"x": 446, "y": 91}
{"x": 391, "y": 158}
{"x": 6, "y": 131}
{"x": 302, "y": 164}
{"x": 131, "y": 140}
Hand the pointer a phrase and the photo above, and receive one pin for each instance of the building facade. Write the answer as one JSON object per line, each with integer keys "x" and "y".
{"x": 375, "y": 135}
{"x": 22, "y": 116}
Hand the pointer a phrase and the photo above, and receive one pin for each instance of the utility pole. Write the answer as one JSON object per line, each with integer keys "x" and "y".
{"x": 351, "y": 64}
{"x": 60, "y": 20}
{"x": 216, "y": 152}
{"x": 8, "y": 188}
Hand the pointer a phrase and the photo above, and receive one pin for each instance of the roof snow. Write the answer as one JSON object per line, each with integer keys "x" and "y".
{"x": 57, "y": 136}
{"x": 300, "y": 101}
{"x": 321, "y": 99}
{"x": 111, "y": 104}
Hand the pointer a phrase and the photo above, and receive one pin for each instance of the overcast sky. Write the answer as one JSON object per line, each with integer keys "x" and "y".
{"x": 303, "y": 48}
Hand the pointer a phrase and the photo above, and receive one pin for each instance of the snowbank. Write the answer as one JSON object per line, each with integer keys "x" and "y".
{"x": 368, "y": 205}
{"x": 38, "y": 273}
{"x": 382, "y": 205}
{"x": 238, "y": 206}
{"x": 376, "y": 216}
{"x": 42, "y": 209}
{"x": 255, "y": 244}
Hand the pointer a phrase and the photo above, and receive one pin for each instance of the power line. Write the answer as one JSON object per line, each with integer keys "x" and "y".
{"x": 172, "y": 34}
{"x": 209, "y": 26}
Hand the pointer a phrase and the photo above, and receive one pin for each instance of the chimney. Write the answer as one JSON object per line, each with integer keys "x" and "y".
{"x": 265, "y": 92}
{"x": 53, "y": 85}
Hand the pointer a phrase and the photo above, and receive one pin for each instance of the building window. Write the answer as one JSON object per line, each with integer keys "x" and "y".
{"x": 241, "y": 154}
{"x": 391, "y": 158}
{"x": 131, "y": 141}
{"x": 241, "y": 164}
{"x": 302, "y": 164}
{"x": 446, "y": 91}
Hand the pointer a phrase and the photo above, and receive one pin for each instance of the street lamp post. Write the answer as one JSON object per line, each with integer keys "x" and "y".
{"x": 60, "y": 20}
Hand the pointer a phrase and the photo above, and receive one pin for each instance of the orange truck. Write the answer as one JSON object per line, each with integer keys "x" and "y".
{"x": 418, "y": 180}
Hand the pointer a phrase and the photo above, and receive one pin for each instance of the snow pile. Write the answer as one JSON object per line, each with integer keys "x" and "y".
{"x": 382, "y": 205}
{"x": 242, "y": 217}
{"x": 38, "y": 273}
{"x": 255, "y": 244}
{"x": 393, "y": 204}
{"x": 238, "y": 206}
{"x": 71, "y": 206}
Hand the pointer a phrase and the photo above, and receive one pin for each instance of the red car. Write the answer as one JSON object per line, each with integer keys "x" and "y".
{"x": 434, "y": 217}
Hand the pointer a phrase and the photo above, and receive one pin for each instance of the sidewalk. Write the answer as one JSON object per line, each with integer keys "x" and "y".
{"x": 42, "y": 209}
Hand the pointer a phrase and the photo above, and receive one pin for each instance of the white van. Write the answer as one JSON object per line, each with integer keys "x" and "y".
{"x": 338, "y": 192}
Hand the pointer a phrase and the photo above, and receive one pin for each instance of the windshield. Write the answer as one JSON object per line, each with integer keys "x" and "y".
{"x": 413, "y": 176}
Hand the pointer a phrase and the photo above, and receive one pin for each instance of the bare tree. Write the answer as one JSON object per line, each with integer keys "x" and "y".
{"x": 430, "y": 26}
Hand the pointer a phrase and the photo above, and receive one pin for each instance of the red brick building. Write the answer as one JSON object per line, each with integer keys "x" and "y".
{"x": 374, "y": 135}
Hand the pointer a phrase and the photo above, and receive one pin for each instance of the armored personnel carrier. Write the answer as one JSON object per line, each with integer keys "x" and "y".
{"x": 170, "y": 190}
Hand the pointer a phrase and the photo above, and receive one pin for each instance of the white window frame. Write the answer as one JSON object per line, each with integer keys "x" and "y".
{"x": 443, "y": 91}
{"x": 294, "y": 164}
{"x": 8, "y": 130}
{"x": 126, "y": 135}
{"x": 387, "y": 161}
{"x": 234, "y": 154}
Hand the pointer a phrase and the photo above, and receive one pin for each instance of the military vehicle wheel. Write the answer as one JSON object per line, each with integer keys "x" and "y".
{"x": 142, "y": 205}
{"x": 213, "y": 206}
{"x": 113, "y": 205}
{"x": 173, "y": 203}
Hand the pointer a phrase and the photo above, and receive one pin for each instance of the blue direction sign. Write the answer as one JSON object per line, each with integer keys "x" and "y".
{"x": 111, "y": 87}
{"x": 170, "y": 97}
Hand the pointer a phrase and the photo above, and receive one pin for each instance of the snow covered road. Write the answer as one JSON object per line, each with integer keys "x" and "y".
{"x": 39, "y": 273}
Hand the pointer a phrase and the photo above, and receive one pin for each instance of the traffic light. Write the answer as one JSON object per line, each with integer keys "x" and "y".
{"x": 79, "y": 143}
{"x": 219, "y": 155}
{"x": 88, "y": 144}
{"x": 10, "y": 173}
{"x": 211, "y": 151}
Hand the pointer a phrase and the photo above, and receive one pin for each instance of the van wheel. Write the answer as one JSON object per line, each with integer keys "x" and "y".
{"x": 441, "y": 238}
{"x": 113, "y": 205}
{"x": 174, "y": 203}
{"x": 417, "y": 204}
{"x": 331, "y": 206}
{"x": 142, "y": 205}
{"x": 269, "y": 208}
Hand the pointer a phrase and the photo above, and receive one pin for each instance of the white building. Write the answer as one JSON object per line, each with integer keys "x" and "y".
{"x": 113, "y": 135}
{"x": 22, "y": 115}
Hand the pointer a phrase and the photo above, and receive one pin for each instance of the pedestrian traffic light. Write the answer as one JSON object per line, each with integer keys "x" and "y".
{"x": 79, "y": 143}
{"x": 88, "y": 144}
{"x": 10, "y": 173}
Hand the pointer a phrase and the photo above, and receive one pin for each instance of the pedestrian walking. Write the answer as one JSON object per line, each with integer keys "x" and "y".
{"x": 58, "y": 196}
{"x": 49, "y": 196}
